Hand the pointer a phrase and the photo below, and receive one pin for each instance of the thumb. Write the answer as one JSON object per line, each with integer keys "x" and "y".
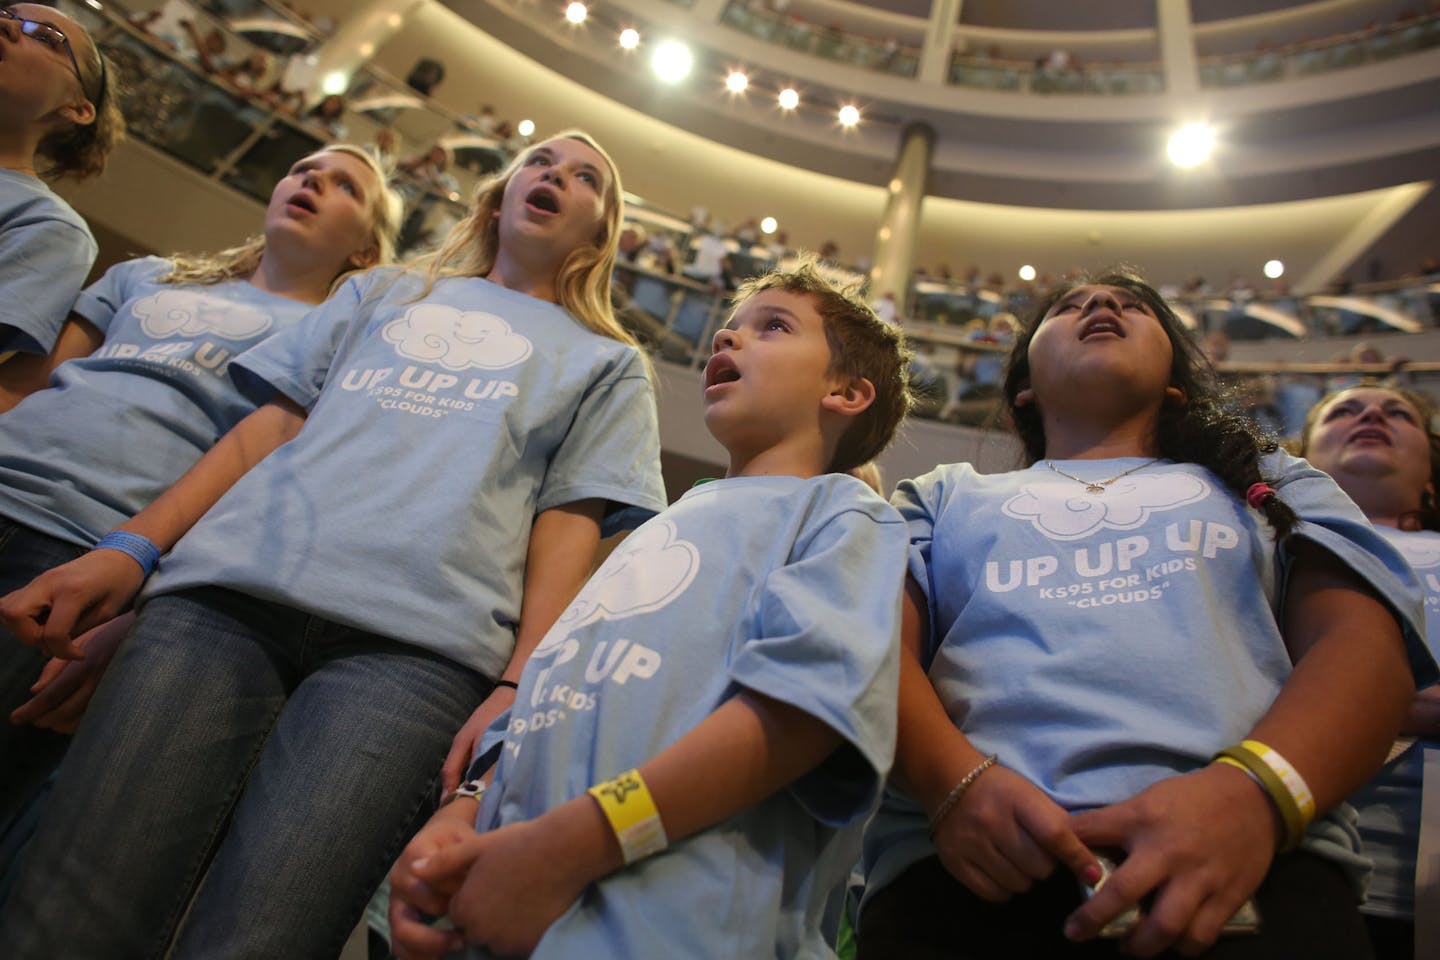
{"x": 447, "y": 863}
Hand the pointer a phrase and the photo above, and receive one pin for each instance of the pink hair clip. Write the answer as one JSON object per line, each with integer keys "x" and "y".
{"x": 1259, "y": 494}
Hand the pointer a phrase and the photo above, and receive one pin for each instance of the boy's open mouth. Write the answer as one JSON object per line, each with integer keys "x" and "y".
{"x": 720, "y": 369}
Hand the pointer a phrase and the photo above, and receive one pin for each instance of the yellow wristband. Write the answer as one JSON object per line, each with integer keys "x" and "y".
{"x": 1296, "y": 817}
{"x": 627, "y": 804}
{"x": 1299, "y": 789}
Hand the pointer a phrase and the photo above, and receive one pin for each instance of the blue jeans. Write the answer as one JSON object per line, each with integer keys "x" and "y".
{"x": 288, "y": 755}
{"x": 28, "y": 754}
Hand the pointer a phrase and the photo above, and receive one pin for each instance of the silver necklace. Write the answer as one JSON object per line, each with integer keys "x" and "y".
{"x": 1098, "y": 486}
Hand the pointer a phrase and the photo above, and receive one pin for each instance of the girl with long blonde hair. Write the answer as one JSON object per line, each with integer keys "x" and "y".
{"x": 147, "y": 394}
{"x": 348, "y": 592}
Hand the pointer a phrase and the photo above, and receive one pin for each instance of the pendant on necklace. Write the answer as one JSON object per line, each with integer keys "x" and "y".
{"x": 1094, "y": 488}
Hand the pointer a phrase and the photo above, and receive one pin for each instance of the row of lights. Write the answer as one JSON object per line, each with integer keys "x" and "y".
{"x": 1274, "y": 269}
{"x": 672, "y": 62}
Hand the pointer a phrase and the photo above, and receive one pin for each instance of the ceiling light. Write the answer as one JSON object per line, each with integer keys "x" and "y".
{"x": 789, "y": 99}
{"x": 334, "y": 83}
{"x": 629, "y": 38}
{"x": 1191, "y": 145}
{"x": 1027, "y": 273}
{"x": 526, "y": 127}
{"x": 576, "y": 12}
{"x": 768, "y": 225}
{"x": 736, "y": 82}
{"x": 1274, "y": 269}
{"x": 672, "y": 61}
{"x": 849, "y": 116}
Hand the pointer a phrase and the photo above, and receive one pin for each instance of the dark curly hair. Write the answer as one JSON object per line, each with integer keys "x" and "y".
{"x": 1202, "y": 429}
{"x": 1428, "y": 516}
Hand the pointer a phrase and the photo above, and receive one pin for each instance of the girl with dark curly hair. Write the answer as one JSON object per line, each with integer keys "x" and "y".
{"x": 1164, "y": 640}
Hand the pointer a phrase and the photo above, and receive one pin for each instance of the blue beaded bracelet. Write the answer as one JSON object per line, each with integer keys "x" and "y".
{"x": 140, "y": 549}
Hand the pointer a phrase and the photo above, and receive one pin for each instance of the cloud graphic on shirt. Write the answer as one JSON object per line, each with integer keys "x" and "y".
{"x": 648, "y": 571}
{"x": 188, "y": 313}
{"x": 1421, "y": 554}
{"x": 456, "y": 339}
{"x": 1061, "y": 510}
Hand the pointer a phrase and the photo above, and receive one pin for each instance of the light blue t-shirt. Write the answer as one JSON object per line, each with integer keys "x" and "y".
{"x": 46, "y": 251}
{"x": 117, "y": 428}
{"x": 1389, "y": 805}
{"x": 1101, "y": 643}
{"x": 779, "y": 585}
{"x": 437, "y": 430}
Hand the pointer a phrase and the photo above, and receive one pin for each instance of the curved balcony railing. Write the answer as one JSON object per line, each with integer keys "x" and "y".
{"x": 883, "y": 55}
{"x": 1009, "y": 75}
{"x": 1322, "y": 56}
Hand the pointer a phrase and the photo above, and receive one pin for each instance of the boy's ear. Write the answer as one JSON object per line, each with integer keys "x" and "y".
{"x": 1176, "y": 397}
{"x": 851, "y": 398}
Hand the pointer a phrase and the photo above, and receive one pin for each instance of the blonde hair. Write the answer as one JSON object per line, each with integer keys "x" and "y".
{"x": 386, "y": 209}
{"x": 582, "y": 285}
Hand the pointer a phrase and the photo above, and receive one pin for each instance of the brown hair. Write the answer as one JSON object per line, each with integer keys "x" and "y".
{"x": 1428, "y": 516}
{"x": 861, "y": 346}
{"x": 80, "y": 151}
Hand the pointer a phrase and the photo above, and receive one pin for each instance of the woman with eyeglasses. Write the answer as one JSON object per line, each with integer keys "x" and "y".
{"x": 58, "y": 118}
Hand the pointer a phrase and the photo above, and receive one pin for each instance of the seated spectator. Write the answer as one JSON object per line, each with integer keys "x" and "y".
{"x": 425, "y": 76}
{"x": 711, "y": 263}
{"x": 328, "y": 115}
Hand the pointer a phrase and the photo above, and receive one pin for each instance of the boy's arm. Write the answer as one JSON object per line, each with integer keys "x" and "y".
{"x": 561, "y": 554}
{"x": 1204, "y": 841}
{"x": 24, "y": 373}
{"x": 523, "y": 876}
{"x": 70, "y": 599}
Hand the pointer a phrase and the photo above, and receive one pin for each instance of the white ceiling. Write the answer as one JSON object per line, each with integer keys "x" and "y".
{"x": 677, "y": 169}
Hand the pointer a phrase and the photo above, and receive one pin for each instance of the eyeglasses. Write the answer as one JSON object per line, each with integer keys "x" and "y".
{"x": 54, "y": 39}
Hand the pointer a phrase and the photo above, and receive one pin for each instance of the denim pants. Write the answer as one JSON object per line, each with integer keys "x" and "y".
{"x": 27, "y": 754}
{"x": 288, "y": 755}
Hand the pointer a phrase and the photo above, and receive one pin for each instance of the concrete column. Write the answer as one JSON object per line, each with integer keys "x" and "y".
{"x": 354, "y": 43}
{"x": 939, "y": 41}
{"x": 900, "y": 223}
{"x": 1177, "y": 46}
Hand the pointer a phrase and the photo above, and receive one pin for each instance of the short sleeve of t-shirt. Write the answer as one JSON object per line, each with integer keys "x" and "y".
{"x": 295, "y": 362}
{"x": 914, "y": 499}
{"x": 42, "y": 267}
{"x": 827, "y": 644}
{"x": 1329, "y": 518}
{"x": 612, "y": 449}
{"x": 99, "y": 302}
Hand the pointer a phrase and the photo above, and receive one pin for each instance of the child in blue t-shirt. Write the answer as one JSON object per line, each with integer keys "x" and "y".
{"x": 62, "y": 120}
{"x": 730, "y": 670}
{"x": 348, "y": 592}
{"x": 1159, "y": 590}
{"x": 1380, "y": 446}
{"x": 152, "y": 393}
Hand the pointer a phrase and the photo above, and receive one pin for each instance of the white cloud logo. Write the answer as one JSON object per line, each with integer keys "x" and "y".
{"x": 647, "y": 572}
{"x": 189, "y": 313}
{"x": 1421, "y": 553}
{"x": 456, "y": 339}
{"x": 1060, "y": 511}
